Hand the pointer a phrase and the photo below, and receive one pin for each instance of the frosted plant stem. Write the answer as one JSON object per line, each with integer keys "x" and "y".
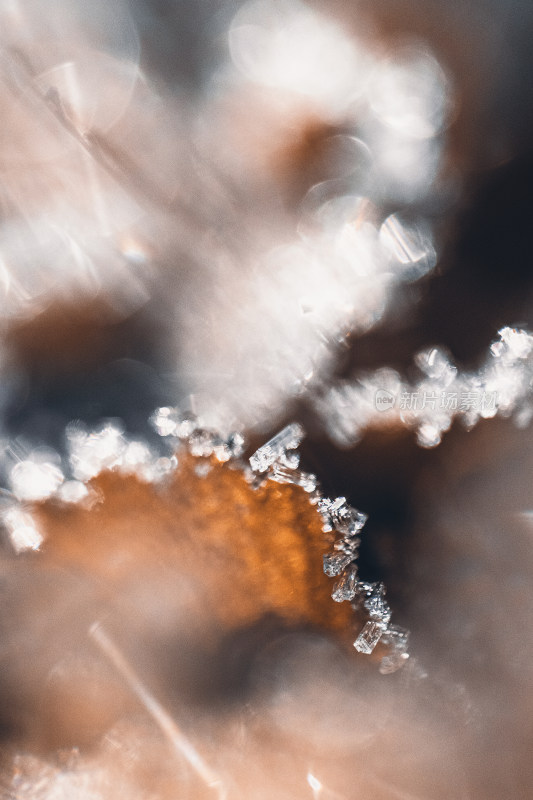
{"x": 502, "y": 386}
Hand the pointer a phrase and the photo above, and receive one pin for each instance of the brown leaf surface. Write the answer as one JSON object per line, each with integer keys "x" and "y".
{"x": 240, "y": 553}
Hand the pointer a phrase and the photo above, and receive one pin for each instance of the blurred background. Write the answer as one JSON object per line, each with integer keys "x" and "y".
{"x": 232, "y": 207}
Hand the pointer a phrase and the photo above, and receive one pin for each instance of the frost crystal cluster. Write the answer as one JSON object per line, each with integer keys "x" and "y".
{"x": 345, "y": 523}
{"x": 502, "y": 386}
{"x": 108, "y": 448}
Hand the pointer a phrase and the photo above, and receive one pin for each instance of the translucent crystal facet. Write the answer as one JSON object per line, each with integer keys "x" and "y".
{"x": 345, "y": 586}
{"x": 349, "y": 520}
{"x": 323, "y": 505}
{"x": 283, "y": 474}
{"x": 368, "y": 638}
{"x": 376, "y": 605}
{"x": 335, "y": 563}
{"x": 290, "y": 460}
{"x": 340, "y": 516}
{"x": 348, "y": 544}
{"x": 275, "y": 449}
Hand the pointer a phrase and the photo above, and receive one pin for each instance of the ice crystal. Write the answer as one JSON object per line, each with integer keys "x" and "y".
{"x": 32, "y": 480}
{"x": 369, "y": 637}
{"x": 334, "y": 563}
{"x": 202, "y": 443}
{"x": 340, "y": 516}
{"x": 348, "y": 544}
{"x": 72, "y": 492}
{"x": 376, "y": 605}
{"x": 232, "y": 447}
{"x": 346, "y": 586}
{"x": 282, "y": 474}
{"x": 275, "y": 449}
{"x": 22, "y": 529}
{"x": 165, "y": 421}
{"x": 364, "y": 589}
{"x": 170, "y": 421}
{"x": 201, "y": 440}
{"x": 91, "y": 452}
